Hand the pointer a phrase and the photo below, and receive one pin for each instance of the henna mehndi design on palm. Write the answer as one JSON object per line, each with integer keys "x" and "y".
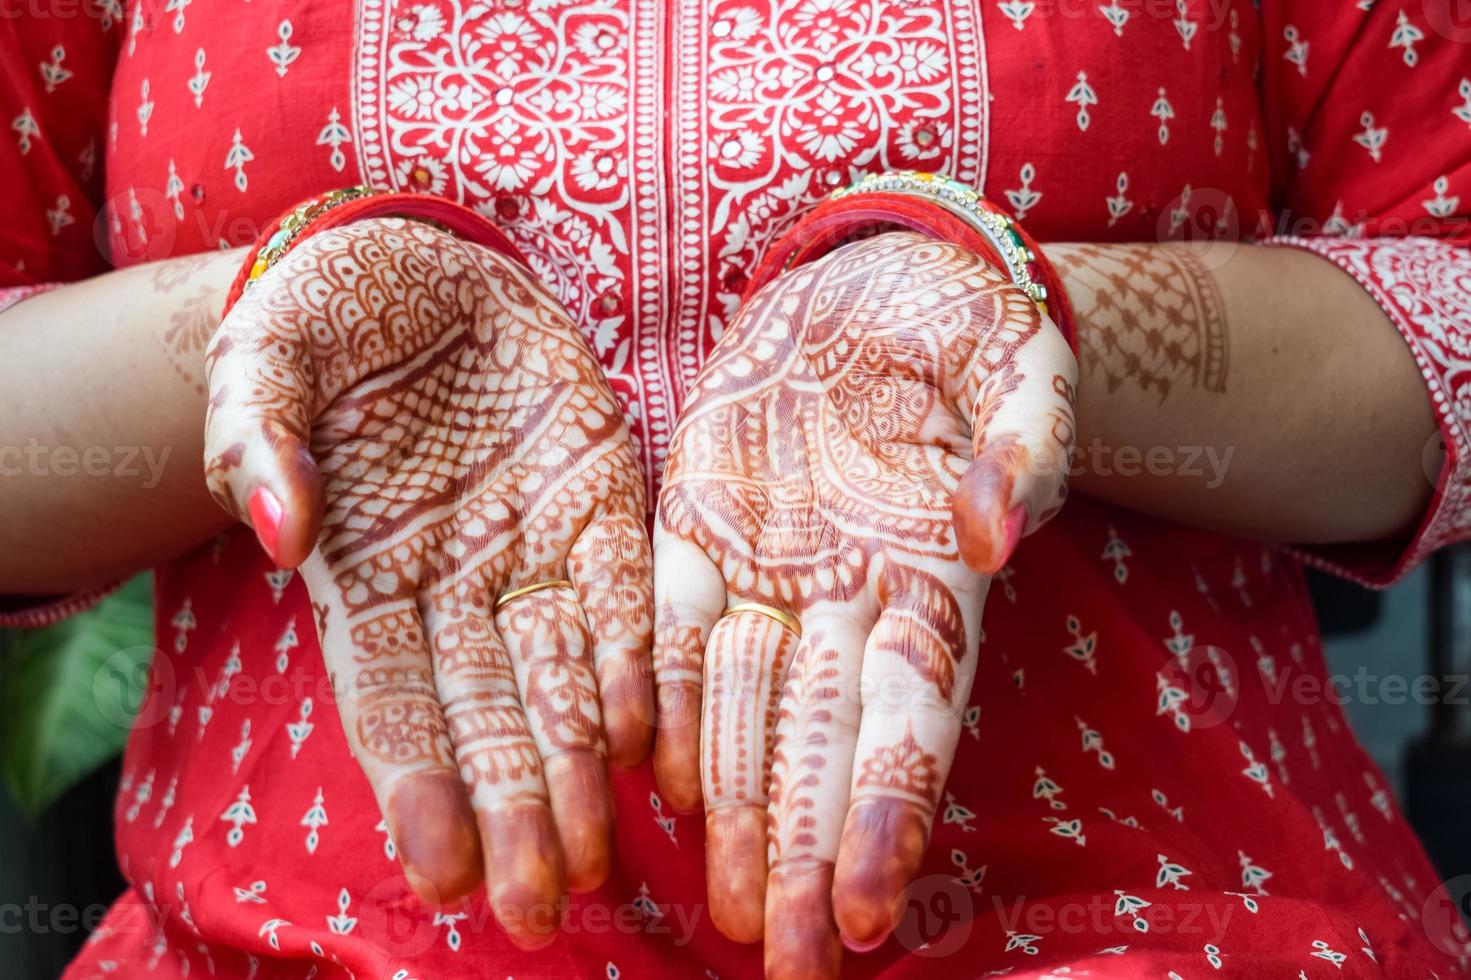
{"x": 438, "y": 434}
{"x": 863, "y": 449}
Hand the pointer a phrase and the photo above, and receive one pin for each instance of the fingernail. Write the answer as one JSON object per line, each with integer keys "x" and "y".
{"x": 677, "y": 747}
{"x": 868, "y": 947}
{"x": 882, "y": 847}
{"x": 525, "y": 873}
{"x": 735, "y": 867}
{"x": 628, "y": 712}
{"x": 265, "y": 516}
{"x": 1012, "y": 527}
{"x": 582, "y": 806}
{"x": 801, "y": 938}
{"x": 434, "y": 830}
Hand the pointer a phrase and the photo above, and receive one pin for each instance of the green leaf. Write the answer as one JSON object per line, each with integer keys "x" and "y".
{"x": 68, "y": 694}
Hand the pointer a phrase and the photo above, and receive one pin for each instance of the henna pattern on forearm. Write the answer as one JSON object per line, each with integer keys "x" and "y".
{"x": 465, "y": 442}
{"x": 193, "y": 320}
{"x": 188, "y": 332}
{"x": 171, "y": 274}
{"x": 1147, "y": 315}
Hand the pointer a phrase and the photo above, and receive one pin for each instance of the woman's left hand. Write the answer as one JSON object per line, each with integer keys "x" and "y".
{"x": 863, "y": 450}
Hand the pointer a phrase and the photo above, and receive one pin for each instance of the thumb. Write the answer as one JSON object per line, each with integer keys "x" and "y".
{"x": 257, "y": 431}
{"x": 1022, "y": 437}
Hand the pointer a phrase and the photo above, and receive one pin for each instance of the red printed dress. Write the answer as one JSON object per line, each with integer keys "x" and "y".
{"x": 1101, "y": 819}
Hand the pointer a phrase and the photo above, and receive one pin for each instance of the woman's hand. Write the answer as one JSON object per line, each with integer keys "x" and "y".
{"x": 417, "y": 424}
{"x": 864, "y": 448}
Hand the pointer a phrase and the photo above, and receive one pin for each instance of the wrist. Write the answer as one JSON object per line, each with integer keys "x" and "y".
{"x": 936, "y": 207}
{"x": 353, "y": 301}
{"x": 346, "y": 206}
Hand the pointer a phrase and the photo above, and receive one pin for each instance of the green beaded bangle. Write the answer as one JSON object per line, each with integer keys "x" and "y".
{"x": 280, "y": 241}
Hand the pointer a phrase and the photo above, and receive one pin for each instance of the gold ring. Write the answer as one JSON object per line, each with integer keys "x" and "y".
{"x": 534, "y": 587}
{"x": 781, "y": 616}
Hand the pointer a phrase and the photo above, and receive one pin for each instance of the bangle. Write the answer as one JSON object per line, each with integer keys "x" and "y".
{"x": 281, "y": 235}
{"x": 337, "y": 208}
{"x": 934, "y": 206}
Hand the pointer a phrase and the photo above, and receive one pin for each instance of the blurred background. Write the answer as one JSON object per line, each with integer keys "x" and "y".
{"x": 66, "y": 693}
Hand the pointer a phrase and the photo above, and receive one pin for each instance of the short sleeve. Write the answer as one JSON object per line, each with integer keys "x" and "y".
{"x": 1368, "y": 116}
{"x": 55, "y": 74}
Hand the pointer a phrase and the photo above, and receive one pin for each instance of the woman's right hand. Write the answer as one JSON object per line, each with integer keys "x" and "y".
{"x": 417, "y": 424}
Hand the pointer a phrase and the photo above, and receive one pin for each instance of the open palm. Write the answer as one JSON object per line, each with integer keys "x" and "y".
{"x": 863, "y": 449}
{"x": 437, "y": 435}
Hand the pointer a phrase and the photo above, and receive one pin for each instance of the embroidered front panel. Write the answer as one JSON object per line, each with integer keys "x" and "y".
{"x": 551, "y": 118}
{"x": 779, "y": 102}
{"x": 547, "y": 117}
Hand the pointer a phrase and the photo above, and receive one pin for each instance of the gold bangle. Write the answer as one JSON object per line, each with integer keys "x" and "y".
{"x": 780, "y": 615}
{"x": 524, "y": 590}
{"x": 995, "y": 225}
{"x": 294, "y": 223}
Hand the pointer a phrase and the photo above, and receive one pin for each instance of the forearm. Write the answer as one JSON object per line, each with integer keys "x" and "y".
{"x": 1252, "y": 390}
{"x": 101, "y": 424}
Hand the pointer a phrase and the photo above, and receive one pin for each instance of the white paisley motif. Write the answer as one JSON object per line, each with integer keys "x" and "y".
{"x": 1424, "y": 286}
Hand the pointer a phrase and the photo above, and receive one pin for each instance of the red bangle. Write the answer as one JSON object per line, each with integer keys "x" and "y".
{"x": 936, "y": 208}
{"x": 342, "y": 207}
{"x": 834, "y": 223}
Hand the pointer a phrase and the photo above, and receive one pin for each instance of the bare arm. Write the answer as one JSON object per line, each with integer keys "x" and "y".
{"x": 1276, "y": 394}
{"x": 1276, "y": 398}
{"x": 102, "y": 424}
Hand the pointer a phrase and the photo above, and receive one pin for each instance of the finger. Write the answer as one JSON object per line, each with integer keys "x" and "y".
{"x": 551, "y": 651}
{"x": 612, "y": 566}
{"x": 499, "y": 762}
{"x": 917, "y": 670}
{"x": 746, "y": 665}
{"x": 257, "y": 431}
{"x": 1021, "y": 413}
{"x": 689, "y": 596}
{"x": 811, "y": 771}
{"x": 376, "y": 654}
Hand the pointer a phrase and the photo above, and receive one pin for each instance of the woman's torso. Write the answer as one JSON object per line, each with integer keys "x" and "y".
{"x": 644, "y": 155}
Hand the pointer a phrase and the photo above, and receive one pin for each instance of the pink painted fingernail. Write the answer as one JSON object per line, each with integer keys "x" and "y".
{"x": 1012, "y": 527}
{"x": 867, "y": 947}
{"x": 265, "y": 516}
